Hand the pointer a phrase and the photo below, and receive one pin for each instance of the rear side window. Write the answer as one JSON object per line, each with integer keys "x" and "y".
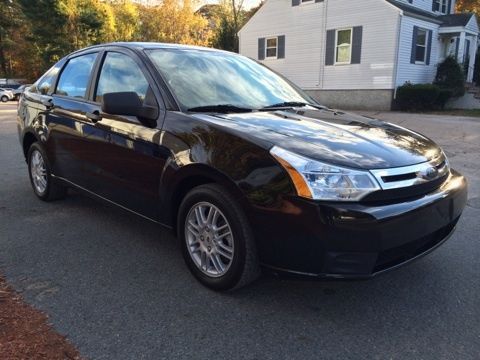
{"x": 120, "y": 73}
{"x": 74, "y": 77}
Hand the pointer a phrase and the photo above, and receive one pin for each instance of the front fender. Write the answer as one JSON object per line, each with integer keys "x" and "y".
{"x": 204, "y": 152}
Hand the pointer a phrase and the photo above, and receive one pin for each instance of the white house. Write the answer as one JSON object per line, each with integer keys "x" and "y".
{"x": 355, "y": 53}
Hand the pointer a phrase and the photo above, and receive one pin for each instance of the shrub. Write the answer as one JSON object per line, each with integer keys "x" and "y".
{"x": 418, "y": 97}
{"x": 443, "y": 96}
{"x": 450, "y": 76}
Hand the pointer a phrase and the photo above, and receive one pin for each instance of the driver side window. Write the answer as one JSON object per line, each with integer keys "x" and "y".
{"x": 120, "y": 73}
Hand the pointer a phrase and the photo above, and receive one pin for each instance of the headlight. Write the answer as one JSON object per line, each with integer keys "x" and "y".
{"x": 316, "y": 180}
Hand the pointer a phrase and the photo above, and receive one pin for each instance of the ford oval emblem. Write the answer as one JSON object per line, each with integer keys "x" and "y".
{"x": 429, "y": 173}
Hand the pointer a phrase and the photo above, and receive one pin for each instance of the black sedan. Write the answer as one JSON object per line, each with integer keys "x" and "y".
{"x": 243, "y": 166}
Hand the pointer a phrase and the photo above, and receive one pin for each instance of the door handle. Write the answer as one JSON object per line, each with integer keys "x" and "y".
{"x": 94, "y": 116}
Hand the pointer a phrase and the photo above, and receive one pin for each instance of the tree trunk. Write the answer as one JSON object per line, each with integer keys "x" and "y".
{"x": 3, "y": 60}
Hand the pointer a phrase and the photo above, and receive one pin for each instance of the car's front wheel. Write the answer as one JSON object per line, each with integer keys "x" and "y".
{"x": 40, "y": 176}
{"x": 216, "y": 239}
{"x": 4, "y": 98}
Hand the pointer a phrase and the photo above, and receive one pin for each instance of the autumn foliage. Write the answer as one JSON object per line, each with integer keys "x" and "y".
{"x": 34, "y": 34}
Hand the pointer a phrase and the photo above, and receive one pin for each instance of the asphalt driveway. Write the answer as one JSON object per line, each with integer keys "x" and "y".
{"x": 116, "y": 285}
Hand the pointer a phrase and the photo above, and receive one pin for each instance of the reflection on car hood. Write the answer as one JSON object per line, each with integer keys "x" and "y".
{"x": 335, "y": 137}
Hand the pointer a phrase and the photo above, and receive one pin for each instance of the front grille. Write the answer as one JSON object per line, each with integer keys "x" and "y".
{"x": 405, "y": 176}
{"x": 409, "y": 181}
{"x": 395, "y": 256}
{"x": 401, "y": 177}
{"x": 404, "y": 193}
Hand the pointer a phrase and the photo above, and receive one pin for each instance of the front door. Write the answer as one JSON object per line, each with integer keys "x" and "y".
{"x": 130, "y": 161}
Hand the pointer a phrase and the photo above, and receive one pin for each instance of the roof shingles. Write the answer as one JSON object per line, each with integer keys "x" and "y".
{"x": 461, "y": 19}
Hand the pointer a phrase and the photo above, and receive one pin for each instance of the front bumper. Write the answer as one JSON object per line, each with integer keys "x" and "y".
{"x": 354, "y": 240}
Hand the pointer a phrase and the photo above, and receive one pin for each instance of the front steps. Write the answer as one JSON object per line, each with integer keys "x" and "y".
{"x": 469, "y": 101}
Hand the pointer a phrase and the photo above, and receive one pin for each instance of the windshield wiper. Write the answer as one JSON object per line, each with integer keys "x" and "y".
{"x": 290, "y": 104}
{"x": 222, "y": 108}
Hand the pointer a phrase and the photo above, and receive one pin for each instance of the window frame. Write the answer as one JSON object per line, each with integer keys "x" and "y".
{"x": 98, "y": 73}
{"x": 35, "y": 88}
{"x": 86, "y": 97}
{"x": 424, "y": 61}
{"x": 349, "y": 62}
{"x": 271, "y": 47}
{"x": 441, "y": 4}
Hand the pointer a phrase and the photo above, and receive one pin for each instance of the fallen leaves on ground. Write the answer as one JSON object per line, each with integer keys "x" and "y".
{"x": 25, "y": 332}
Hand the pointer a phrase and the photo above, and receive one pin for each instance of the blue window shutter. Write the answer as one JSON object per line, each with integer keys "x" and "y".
{"x": 466, "y": 52}
{"x": 261, "y": 48}
{"x": 295, "y": 2}
{"x": 357, "y": 44}
{"x": 414, "y": 45}
{"x": 330, "y": 48}
{"x": 281, "y": 47}
{"x": 457, "y": 47}
{"x": 429, "y": 45}
{"x": 450, "y": 7}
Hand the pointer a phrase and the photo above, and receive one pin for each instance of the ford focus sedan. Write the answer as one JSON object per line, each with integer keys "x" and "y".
{"x": 246, "y": 169}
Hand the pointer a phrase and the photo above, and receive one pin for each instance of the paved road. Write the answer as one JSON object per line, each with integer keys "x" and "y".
{"x": 117, "y": 286}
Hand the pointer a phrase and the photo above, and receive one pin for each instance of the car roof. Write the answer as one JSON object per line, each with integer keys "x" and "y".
{"x": 152, "y": 45}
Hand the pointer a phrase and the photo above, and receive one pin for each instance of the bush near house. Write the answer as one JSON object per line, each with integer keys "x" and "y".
{"x": 451, "y": 76}
{"x": 420, "y": 97}
{"x": 449, "y": 82}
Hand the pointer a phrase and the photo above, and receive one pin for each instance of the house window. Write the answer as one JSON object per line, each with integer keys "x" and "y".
{"x": 421, "y": 47}
{"x": 305, "y": 1}
{"x": 440, "y": 6}
{"x": 343, "y": 50}
{"x": 271, "y": 48}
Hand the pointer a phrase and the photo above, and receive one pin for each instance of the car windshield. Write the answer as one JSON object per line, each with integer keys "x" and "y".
{"x": 201, "y": 78}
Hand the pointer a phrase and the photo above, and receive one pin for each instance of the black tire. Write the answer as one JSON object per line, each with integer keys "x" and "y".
{"x": 4, "y": 98}
{"x": 53, "y": 190}
{"x": 244, "y": 267}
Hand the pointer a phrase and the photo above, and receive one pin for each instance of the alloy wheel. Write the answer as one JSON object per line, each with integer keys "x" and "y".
{"x": 209, "y": 239}
{"x": 38, "y": 170}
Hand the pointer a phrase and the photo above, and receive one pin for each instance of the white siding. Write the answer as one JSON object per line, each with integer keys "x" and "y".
{"x": 380, "y": 35}
{"x": 421, "y": 4}
{"x": 416, "y": 73}
{"x": 472, "y": 25}
{"x": 425, "y": 4}
{"x": 302, "y": 27}
{"x": 304, "y": 30}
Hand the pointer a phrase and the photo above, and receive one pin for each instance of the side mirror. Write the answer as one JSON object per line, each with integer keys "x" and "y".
{"x": 128, "y": 103}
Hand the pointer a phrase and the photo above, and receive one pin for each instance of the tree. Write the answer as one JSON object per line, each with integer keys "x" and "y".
{"x": 48, "y": 33}
{"x": 88, "y": 21}
{"x": 174, "y": 22}
{"x": 34, "y": 34}
{"x": 231, "y": 17}
{"x": 127, "y": 18}
{"x": 472, "y": 6}
{"x": 9, "y": 19}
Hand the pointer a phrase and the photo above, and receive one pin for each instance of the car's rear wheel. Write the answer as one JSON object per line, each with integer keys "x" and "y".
{"x": 40, "y": 176}
{"x": 4, "y": 98}
{"x": 216, "y": 239}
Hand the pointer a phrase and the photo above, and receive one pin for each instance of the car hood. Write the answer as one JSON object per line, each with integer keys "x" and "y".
{"x": 335, "y": 137}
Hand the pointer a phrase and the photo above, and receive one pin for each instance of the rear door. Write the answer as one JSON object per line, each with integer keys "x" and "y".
{"x": 70, "y": 139}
